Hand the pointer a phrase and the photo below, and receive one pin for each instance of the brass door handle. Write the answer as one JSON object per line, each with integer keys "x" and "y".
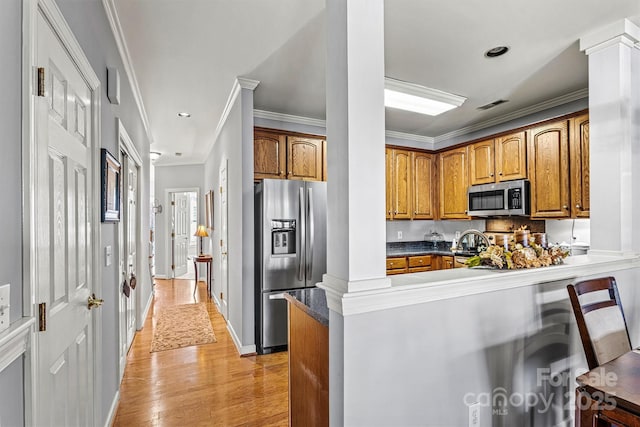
{"x": 93, "y": 302}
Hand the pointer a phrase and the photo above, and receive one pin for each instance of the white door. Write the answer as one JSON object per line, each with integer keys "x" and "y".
{"x": 129, "y": 261}
{"x": 63, "y": 257}
{"x": 181, "y": 233}
{"x": 224, "y": 262}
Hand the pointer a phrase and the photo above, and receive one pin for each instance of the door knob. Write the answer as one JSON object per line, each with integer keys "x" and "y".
{"x": 223, "y": 253}
{"x": 93, "y": 302}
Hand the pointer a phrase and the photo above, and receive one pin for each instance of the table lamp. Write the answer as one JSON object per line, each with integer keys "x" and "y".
{"x": 201, "y": 232}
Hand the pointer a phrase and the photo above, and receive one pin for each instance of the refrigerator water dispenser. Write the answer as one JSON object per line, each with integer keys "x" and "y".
{"x": 283, "y": 236}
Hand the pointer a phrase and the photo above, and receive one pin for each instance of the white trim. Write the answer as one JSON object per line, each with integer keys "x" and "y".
{"x": 564, "y": 99}
{"x": 247, "y": 349}
{"x": 124, "y": 140}
{"x": 423, "y": 92}
{"x": 622, "y": 30}
{"x": 147, "y": 308}
{"x": 288, "y": 118}
{"x": 118, "y": 35}
{"x": 112, "y": 409}
{"x": 409, "y": 137}
{"x": 15, "y": 341}
{"x": 411, "y": 289}
{"x": 238, "y": 84}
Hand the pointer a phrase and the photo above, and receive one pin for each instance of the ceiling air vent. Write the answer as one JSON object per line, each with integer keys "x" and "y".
{"x": 492, "y": 104}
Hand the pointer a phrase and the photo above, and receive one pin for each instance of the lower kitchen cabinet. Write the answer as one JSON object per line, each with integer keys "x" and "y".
{"x": 447, "y": 262}
{"x": 419, "y": 263}
{"x": 397, "y": 265}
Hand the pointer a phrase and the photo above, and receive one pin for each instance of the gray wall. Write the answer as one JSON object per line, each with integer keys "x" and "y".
{"x": 235, "y": 145}
{"x": 11, "y": 400}
{"x": 88, "y": 22}
{"x": 173, "y": 177}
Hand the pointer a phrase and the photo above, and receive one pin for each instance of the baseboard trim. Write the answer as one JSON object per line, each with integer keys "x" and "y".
{"x": 145, "y": 312}
{"x": 243, "y": 350}
{"x": 112, "y": 411}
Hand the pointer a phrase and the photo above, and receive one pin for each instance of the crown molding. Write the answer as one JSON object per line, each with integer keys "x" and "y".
{"x": 423, "y": 92}
{"x": 564, "y": 99}
{"x": 118, "y": 34}
{"x": 247, "y": 83}
{"x": 288, "y": 118}
{"x": 409, "y": 137}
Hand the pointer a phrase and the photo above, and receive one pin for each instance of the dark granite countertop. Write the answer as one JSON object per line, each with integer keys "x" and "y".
{"x": 312, "y": 301}
{"x": 418, "y": 248}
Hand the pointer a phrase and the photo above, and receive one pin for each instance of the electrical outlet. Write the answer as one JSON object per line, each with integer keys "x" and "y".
{"x": 474, "y": 415}
{"x": 399, "y": 235}
{"x": 4, "y": 306}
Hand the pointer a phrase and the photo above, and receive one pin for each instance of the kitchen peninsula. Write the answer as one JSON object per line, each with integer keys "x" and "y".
{"x": 456, "y": 338}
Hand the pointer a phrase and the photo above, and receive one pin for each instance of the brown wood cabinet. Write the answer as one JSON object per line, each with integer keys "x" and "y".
{"x": 500, "y": 159}
{"x": 420, "y": 263}
{"x": 304, "y": 158}
{"x": 283, "y": 156}
{"x": 548, "y": 147}
{"x": 446, "y": 262}
{"x": 399, "y": 184}
{"x": 424, "y": 179}
{"x": 397, "y": 265}
{"x": 511, "y": 157}
{"x": 453, "y": 182}
{"x": 579, "y": 154}
{"x": 269, "y": 155}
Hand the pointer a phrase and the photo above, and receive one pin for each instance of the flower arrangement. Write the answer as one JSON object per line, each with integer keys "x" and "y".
{"x": 532, "y": 256}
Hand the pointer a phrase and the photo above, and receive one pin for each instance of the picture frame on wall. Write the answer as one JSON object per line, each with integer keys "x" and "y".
{"x": 110, "y": 187}
{"x": 208, "y": 206}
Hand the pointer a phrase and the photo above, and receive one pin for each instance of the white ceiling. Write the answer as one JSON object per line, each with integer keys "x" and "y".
{"x": 187, "y": 53}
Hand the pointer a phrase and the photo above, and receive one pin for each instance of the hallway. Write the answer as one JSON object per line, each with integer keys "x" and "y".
{"x": 207, "y": 385}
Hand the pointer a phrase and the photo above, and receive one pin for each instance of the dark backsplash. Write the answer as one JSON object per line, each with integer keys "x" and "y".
{"x": 417, "y": 246}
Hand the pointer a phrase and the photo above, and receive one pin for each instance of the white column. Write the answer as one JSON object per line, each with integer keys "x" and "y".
{"x": 614, "y": 126}
{"x": 356, "y": 232}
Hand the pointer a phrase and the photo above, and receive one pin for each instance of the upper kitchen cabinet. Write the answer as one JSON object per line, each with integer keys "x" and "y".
{"x": 481, "y": 163}
{"x": 511, "y": 157}
{"x": 304, "y": 158}
{"x": 502, "y": 159}
{"x": 453, "y": 182}
{"x": 579, "y": 153}
{"x": 281, "y": 155}
{"x": 269, "y": 155}
{"x": 424, "y": 179}
{"x": 399, "y": 183}
{"x": 548, "y": 151}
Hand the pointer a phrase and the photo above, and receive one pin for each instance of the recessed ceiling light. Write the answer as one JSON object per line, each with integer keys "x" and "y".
{"x": 419, "y": 99}
{"x": 154, "y": 155}
{"x": 496, "y": 51}
{"x": 184, "y": 114}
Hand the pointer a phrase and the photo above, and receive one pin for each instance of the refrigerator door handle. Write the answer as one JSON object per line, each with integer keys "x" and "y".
{"x": 277, "y": 296}
{"x": 311, "y": 235}
{"x": 303, "y": 232}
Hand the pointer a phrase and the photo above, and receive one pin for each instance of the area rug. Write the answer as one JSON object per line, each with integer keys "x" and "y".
{"x": 182, "y": 326}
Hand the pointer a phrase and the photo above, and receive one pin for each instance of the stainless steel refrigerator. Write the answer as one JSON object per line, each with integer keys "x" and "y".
{"x": 291, "y": 250}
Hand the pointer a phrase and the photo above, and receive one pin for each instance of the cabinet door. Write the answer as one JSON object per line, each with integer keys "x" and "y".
{"x": 304, "y": 159}
{"x": 401, "y": 185}
{"x": 423, "y": 185}
{"x": 388, "y": 156}
{"x": 548, "y": 147}
{"x": 453, "y": 180}
{"x": 447, "y": 262}
{"x": 269, "y": 155}
{"x": 511, "y": 157}
{"x": 579, "y": 153}
{"x": 481, "y": 163}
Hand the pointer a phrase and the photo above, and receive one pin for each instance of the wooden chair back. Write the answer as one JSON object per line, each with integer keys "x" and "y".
{"x": 601, "y": 323}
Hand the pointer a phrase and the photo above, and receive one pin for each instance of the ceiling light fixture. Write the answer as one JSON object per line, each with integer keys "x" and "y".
{"x": 154, "y": 155}
{"x": 496, "y": 51}
{"x": 419, "y": 99}
{"x": 184, "y": 114}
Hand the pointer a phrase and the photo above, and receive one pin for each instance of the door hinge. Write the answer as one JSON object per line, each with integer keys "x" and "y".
{"x": 220, "y": 189}
{"x": 173, "y": 235}
{"x": 42, "y": 316}
{"x": 221, "y": 296}
{"x": 221, "y": 243}
{"x": 173, "y": 266}
{"x": 41, "y": 81}
{"x": 173, "y": 203}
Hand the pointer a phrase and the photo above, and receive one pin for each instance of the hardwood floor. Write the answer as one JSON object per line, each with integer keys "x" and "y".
{"x": 207, "y": 385}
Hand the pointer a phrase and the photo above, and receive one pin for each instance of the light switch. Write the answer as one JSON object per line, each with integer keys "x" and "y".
{"x": 4, "y": 306}
{"x": 107, "y": 256}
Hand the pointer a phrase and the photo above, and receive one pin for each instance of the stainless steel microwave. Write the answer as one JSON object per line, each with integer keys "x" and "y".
{"x": 500, "y": 199}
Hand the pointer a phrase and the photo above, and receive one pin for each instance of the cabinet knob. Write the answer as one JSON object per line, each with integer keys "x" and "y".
{"x": 389, "y": 213}
{"x": 281, "y": 172}
{"x": 578, "y": 206}
{"x": 396, "y": 212}
{"x": 490, "y": 174}
{"x": 500, "y": 174}
{"x": 390, "y": 263}
{"x": 420, "y": 261}
{"x": 565, "y": 207}
{"x": 415, "y": 212}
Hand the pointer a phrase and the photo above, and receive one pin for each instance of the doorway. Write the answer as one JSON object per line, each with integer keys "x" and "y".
{"x": 182, "y": 227}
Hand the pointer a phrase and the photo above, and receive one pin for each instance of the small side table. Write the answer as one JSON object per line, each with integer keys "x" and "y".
{"x": 207, "y": 259}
